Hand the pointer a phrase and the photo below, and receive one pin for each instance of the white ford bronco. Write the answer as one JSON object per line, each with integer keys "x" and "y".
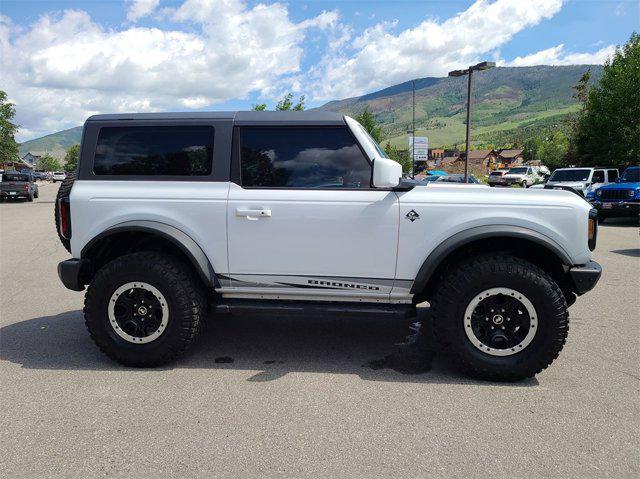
{"x": 174, "y": 217}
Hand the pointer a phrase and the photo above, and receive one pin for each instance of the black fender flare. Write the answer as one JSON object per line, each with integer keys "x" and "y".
{"x": 438, "y": 255}
{"x": 183, "y": 241}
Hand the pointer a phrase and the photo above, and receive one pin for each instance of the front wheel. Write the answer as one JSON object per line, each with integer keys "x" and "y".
{"x": 144, "y": 309}
{"x": 500, "y": 318}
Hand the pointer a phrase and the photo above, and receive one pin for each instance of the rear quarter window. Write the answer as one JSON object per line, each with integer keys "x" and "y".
{"x": 154, "y": 151}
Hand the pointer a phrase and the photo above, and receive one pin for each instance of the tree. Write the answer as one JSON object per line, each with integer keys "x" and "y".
{"x": 8, "y": 145}
{"x": 286, "y": 104}
{"x": 572, "y": 120}
{"x": 607, "y": 129}
{"x": 71, "y": 158}
{"x": 48, "y": 163}
{"x": 552, "y": 150}
{"x": 401, "y": 156}
{"x": 368, "y": 121}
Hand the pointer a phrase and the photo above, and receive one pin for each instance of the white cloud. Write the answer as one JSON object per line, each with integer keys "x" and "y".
{"x": 380, "y": 57}
{"x": 557, "y": 56}
{"x": 65, "y": 66}
{"x": 141, "y": 8}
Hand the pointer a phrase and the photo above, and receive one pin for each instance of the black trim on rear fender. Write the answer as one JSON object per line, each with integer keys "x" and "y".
{"x": 183, "y": 241}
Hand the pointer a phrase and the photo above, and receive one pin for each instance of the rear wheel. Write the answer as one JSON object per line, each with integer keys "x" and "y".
{"x": 144, "y": 309}
{"x": 500, "y": 318}
{"x": 30, "y": 197}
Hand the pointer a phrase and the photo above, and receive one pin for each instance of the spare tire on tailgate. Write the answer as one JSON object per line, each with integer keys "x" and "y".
{"x": 63, "y": 192}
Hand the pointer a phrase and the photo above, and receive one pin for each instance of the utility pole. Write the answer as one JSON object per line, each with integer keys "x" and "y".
{"x": 458, "y": 73}
{"x": 468, "y": 139}
{"x": 413, "y": 129}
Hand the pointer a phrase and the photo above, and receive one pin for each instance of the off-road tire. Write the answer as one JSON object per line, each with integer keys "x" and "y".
{"x": 463, "y": 282}
{"x": 63, "y": 192}
{"x": 179, "y": 285}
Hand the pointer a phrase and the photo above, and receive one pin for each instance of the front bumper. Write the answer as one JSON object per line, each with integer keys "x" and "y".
{"x": 585, "y": 276}
{"x": 69, "y": 273}
{"x": 618, "y": 208}
{"x": 512, "y": 181}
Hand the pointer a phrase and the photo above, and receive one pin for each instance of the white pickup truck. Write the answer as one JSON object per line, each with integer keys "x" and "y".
{"x": 174, "y": 217}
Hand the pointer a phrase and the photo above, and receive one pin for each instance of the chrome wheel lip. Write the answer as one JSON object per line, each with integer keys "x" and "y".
{"x": 112, "y": 317}
{"x": 531, "y": 310}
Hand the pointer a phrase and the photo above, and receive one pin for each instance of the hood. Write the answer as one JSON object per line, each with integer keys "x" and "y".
{"x": 621, "y": 186}
{"x": 570, "y": 184}
{"x": 481, "y": 194}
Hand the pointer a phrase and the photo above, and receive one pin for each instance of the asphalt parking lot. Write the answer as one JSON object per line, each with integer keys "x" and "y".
{"x": 299, "y": 397}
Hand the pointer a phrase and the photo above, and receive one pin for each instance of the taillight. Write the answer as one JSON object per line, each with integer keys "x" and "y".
{"x": 64, "y": 208}
{"x": 26, "y": 187}
{"x": 592, "y": 229}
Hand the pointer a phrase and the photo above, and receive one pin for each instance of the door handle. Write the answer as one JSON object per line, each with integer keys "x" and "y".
{"x": 253, "y": 215}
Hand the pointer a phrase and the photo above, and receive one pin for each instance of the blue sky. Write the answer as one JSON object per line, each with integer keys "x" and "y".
{"x": 64, "y": 60}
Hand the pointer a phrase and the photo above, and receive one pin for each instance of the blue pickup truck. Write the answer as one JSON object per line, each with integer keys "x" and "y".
{"x": 620, "y": 199}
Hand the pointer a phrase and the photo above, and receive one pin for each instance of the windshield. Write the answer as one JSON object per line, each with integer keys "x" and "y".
{"x": 631, "y": 175}
{"x": 518, "y": 171}
{"x": 14, "y": 177}
{"x": 378, "y": 148}
{"x": 58, "y": 173}
{"x": 570, "y": 175}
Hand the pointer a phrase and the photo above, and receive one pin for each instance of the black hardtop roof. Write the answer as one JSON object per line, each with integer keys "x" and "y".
{"x": 269, "y": 118}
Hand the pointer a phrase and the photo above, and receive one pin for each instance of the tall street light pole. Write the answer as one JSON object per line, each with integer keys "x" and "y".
{"x": 413, "y": 131}
{"x": 413, "y": 128}
{"x": 458, "y": 73}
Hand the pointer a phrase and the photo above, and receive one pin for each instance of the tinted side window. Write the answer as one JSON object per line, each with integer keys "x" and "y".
{"x": 598, "y": 176}
{"x": 302, "y": 157}
{"x": 154, "y": 151}
{"x": 613, "y": 175}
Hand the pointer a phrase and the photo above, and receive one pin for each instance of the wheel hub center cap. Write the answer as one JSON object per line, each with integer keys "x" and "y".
{"x": 142, "y": 311}
{"x": 498, "y": 319}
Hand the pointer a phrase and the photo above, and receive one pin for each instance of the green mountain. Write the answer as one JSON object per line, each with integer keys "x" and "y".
{"x": 55, "y": 144}
{"x": 506, "y": 102}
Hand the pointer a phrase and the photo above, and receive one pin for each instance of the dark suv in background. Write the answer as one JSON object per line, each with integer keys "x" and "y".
{"x": 18, "y": 185}
{"x": 620, "y": 199}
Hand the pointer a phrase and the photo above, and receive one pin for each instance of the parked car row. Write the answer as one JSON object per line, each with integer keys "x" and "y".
{"x": 40, "y": 175}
